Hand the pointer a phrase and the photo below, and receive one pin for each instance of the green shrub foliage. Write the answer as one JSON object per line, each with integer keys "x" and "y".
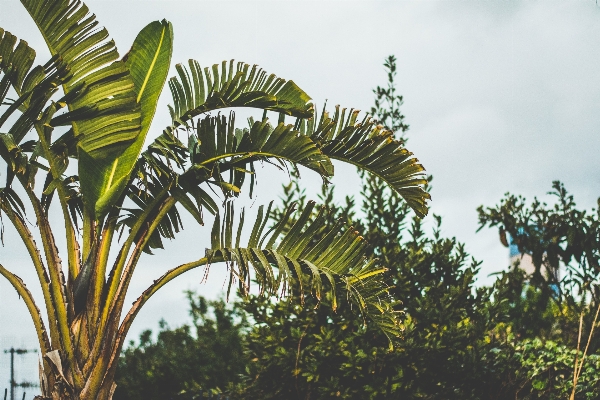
{"x": 308, "y": 352}
{"x": 208, "y": 354}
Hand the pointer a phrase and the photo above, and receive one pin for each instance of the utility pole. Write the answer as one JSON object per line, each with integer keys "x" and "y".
{"x": 13, "y": 383}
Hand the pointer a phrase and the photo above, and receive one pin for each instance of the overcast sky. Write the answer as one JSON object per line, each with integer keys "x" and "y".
{"x": 500, "y": 96}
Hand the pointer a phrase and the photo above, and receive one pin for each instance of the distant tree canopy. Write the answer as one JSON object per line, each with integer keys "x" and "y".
{"x": 209, "y": 353}
{"x": 564, "y": 244}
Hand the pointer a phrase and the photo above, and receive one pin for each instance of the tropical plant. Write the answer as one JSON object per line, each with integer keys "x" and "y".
{"x": 98, "y": 125}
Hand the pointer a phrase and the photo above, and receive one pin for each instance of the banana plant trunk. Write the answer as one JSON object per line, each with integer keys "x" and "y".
{"x": 86, "y": 370}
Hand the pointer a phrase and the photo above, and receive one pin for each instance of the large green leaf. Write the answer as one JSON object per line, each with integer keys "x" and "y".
{"x": 373, "y": 148}
{"x": 283, "y": 259}
{"x": 71, "y": 32}
{"x": 148, "y": 62}
{"x": 196, "y": 90}
{"x": 105, "y": 115}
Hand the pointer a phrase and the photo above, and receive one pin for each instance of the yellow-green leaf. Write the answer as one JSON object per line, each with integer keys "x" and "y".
{"x": 148, "y": 62}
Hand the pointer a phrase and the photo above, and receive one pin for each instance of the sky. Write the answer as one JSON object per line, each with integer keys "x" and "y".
{"x": 500, "y": 97}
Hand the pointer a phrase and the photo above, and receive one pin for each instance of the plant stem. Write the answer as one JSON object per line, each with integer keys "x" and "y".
{"x": 34, "y": 311}
{"x": 36, "y": 258}
{"x": 577, "y": 372}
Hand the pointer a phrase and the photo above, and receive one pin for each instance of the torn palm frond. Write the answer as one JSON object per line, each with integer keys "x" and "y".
{"x": 370, "y": 147}
{"x": 288, "y": 258}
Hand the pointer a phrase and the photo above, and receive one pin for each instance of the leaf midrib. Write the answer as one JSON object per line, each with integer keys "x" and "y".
{"x": 147, "y": 78}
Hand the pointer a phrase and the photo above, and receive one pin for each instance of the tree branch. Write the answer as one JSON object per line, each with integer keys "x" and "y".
{"x": 57, "y": 285}
{"x": 36, "y": 258}
{"x": 115, "y": 276}
{"x": 117, "y": 270}
{"x": 72, "y": 248}
{"x": 99, "y": 272}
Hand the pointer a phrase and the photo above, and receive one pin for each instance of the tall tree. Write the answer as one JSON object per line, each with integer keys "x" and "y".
{"x": 314, "y": 353}
{"x": 100, "y": 121}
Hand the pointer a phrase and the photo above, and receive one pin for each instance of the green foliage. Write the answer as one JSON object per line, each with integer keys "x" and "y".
{"x": 196, "y": 90}
{"x": 554, "y": 235}
{"x": 536, "y": 369}
{"x": 309, "y": 254}
{"x": 313, "y": 353}
{"x": 310, "y": 352}
{"x": 100, "y": 123}
{"x": 528, "y": 310}
{"x": 515, "y": 339}
{"x": 547, "y": 370}
{"x": 458, "y": 342}
{"x": 563, "y": 242}
{"x": 208, "y": 355}
{"x": 543, "y": 308}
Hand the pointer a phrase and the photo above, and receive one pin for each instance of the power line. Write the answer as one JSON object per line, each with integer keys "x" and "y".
{"x": 13, "y": 383}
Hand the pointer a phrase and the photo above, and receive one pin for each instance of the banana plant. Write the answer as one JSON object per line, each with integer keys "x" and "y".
{"x": 72, "y": 136}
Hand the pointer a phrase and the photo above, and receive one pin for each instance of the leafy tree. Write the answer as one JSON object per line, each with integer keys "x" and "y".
{"x": 387, "y": 103}
{"x": 313, "y": 353}
{"x": 550, "y": 308}
{"x": 564, "y": 244}
{"x": 209, "y": 354}
{"x": 98, "y": 125}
